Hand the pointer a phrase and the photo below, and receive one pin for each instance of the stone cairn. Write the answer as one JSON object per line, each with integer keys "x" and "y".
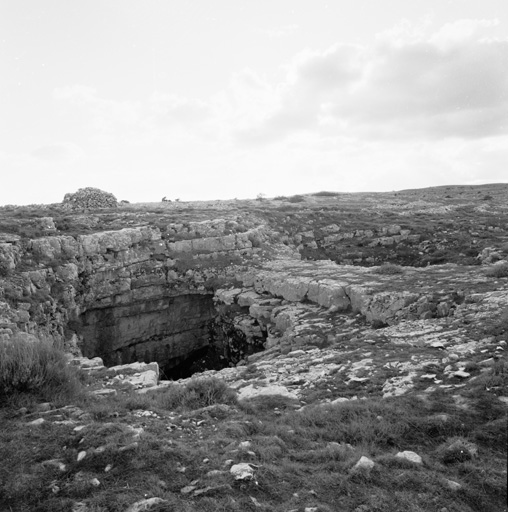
{"x": 90, "y": 197}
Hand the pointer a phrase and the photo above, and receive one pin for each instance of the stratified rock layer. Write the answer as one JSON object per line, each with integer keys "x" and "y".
{"x": 164, "y": 290}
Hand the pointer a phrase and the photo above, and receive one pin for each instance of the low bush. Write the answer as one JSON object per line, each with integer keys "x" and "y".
{"x": 268, "y": 403}
{"x": 498, "y": 327}
{"x": 35, "y": 368}
{"x": 365, "y": 423}
{"x": 195, "y": 394}
{"x": 498, "y": 270}
{"x": 389, "y": 269}
{"x": 325, "y": 193}
{"x": 296, "y": 199}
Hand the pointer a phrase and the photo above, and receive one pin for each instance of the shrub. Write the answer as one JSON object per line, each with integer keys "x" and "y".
{"x": 36, "y": 368}
{"x": 90, "y": 197}
{"x": 389, "y": 269}
{"x": 196, "y": 393}
{"x": 296, "y": 199}
{"x": 498, "y": 270}
{"x": 325, "y": 193}
{"x": 5, "y": 271}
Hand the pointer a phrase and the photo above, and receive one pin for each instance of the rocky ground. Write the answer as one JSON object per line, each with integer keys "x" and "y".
{"x": 365, "y": 333}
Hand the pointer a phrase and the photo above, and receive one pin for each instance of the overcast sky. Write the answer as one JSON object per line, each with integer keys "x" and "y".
{"x": 217, "y": 99}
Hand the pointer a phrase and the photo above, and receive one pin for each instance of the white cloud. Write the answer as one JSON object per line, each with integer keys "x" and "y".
{"x": 414, "y": 108}
{"x": 104, "y": 115}
{"x": 168, "y": 109}
{"x": 78, "y": 93}
{"x": 61, "y": 152}
{"x": 452, "y": 83}
{"x": 456, "y": 33}
{"x": 280, "y": 32}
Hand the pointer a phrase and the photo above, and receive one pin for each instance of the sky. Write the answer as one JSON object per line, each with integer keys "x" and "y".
{"x": 223, "y": 99}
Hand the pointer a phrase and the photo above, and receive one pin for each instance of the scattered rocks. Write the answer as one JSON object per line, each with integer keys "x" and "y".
{"x": 251, "y": 391}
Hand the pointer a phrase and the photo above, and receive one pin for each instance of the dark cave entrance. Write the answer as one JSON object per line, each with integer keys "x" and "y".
{"x": 184, "y": 334}
{"x": 206, "y": 358}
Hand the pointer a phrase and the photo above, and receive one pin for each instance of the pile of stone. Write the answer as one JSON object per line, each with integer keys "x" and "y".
{"x": 90, "y": 197}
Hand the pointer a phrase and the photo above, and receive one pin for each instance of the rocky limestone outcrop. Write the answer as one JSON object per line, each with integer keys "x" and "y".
{"x": 155, "y": 292}
{"x": 298, "y": 304}
{"x": 124, "y": 295}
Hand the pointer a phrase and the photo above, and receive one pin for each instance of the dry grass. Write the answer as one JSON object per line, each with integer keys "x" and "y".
{"x": 36, "y": 368}
{"x": 388, "y": 269}
{"x": 498, "y": 270}
{"x": 303, "y": 458}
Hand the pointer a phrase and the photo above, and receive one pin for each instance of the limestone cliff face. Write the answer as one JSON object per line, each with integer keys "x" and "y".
{"x": 135, "y": 295}
{"x": 125, "y": 295}
{"x": 302, "y": 303}
{"x": 165, "y": 329}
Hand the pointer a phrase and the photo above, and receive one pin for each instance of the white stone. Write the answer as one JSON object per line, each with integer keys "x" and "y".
{"x": 248, "y": 298}
{"x": 141, "y": 506}
{"x": 339, "y": 400}
{"x": 104, "y": 392}
{"x": 146, "y": 379}
{"x": 410, "y": 456}
{"x": 397, "y": 386}
{"x": 363, "y": 463}
{"x": 242, "y": 471}
{"x": 54, "y": 463}
{"x": 137, "y": 367}
{"x": 272, "y": 389}
{"x": 95, "y": 363}
{"x": 461, "y": 374}
{"x": 454, "y": 486}
{"x": 228, "y": 296}
{"x": 38, "y": 421}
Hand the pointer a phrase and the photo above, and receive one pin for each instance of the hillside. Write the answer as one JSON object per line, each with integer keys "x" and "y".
{"x": 318, "y": 352}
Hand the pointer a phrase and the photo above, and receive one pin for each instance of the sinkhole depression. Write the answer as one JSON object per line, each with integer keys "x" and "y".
{"x": 135, "y": 294}
{"x": 184, "y": 334}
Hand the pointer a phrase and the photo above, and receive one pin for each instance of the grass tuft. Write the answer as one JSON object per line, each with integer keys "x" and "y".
{"x": 36, "y": 368}
{"x": 498, "y": 270}
{"x": 388, "y": 269}
{"x": 197, "y": 393}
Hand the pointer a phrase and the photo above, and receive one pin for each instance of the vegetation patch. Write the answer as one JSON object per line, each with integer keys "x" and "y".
{"x": 325, "y": 193}
{"x": 498, "y": 270}
{"x": 35, "y": 368}
{"x": 388, "y": 269}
